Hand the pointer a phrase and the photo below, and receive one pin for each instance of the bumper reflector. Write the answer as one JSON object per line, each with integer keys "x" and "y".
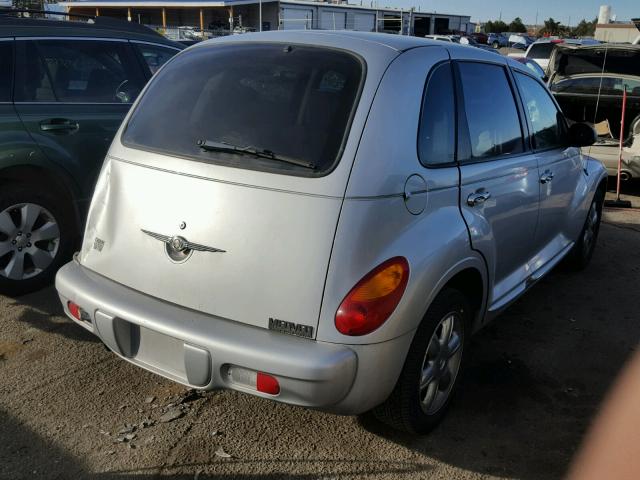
{"x": 259, "y": 381}
{"x": 267, "y": 384}
{"x": 77, "y": 312}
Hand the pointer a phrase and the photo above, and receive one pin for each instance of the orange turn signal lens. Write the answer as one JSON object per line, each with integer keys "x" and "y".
{"x": 374, "y": 298}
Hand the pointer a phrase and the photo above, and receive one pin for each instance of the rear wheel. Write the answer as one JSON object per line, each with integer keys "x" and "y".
{"x": 428, "y": 378}
{"x": 496, "y": 45}
{"x": 582, "y": 251}
{"x": 37, "y": 234}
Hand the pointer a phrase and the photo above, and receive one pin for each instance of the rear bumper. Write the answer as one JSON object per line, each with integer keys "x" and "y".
{"x": 197, "y": 349}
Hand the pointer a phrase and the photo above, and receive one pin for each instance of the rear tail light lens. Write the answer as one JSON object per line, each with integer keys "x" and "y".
{"x": 374, "y": 298}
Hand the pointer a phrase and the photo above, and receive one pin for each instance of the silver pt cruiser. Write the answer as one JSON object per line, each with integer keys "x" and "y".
{"x": 324, "y": 218}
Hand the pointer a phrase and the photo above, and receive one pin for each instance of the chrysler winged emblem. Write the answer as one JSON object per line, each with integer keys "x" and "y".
{"x": 179, "y": 248}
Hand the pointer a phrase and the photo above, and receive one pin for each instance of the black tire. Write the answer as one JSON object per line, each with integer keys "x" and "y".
{"x": 403, "y": 409}
{"x": 581, "y": 253}
{"x": 496, "y": 45}
{"x": 62, "y": 213}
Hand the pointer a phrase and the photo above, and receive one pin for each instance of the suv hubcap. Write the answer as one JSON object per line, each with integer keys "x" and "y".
{"x": 29, "y": 240}
{"x": 441, "y": 363}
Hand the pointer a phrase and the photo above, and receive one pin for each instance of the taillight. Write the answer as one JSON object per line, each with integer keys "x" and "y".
{"x": 374, "y": 298}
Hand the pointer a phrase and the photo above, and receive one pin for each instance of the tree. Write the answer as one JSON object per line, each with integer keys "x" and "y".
{"x": 585, "y": 29}
{"x": 517, "y": 26}
{"x": 551, "y": 27}
{"x": 495, "y": 27}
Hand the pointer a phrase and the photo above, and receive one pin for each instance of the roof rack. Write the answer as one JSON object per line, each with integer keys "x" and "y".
{"x": 17, "y": 16}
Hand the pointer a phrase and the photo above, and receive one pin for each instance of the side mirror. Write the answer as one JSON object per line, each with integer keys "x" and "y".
{"x": 582, "y": 135}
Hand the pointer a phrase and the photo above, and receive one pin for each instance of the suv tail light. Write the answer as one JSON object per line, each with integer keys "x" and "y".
{"x": 374, "y": 298}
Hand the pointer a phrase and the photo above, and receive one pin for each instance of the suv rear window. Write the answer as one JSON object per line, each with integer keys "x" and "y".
{"x": 541, "y": 50}
{"x": 294, "y": 102}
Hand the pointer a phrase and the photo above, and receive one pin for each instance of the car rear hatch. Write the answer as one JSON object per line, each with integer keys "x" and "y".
{"x": 181, "y": 214}
{"x": 588, "y": 82}
{"x": 567, "y": 61}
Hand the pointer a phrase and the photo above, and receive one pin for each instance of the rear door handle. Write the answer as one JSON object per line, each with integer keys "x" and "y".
{"x": 546, "y": 177}
{"x": 478, "y": 198}
{"x": 59, "y": 125}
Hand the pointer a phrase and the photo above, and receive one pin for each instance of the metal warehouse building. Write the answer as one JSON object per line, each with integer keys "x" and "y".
{"x": 218, "y": 17}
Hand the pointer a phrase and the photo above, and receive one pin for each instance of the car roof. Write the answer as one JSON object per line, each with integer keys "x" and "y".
{"x": 345, "y": 39}
{"x": 101, "y": 27}
{"x": 372, "y": 46}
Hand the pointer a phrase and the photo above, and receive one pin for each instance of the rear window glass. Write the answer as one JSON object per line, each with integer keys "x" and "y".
{"x": 291, "y": 103}
{"x": 541, "y": 50}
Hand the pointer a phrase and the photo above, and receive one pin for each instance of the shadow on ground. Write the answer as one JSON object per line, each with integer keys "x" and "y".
{"x": 532, "y": 383}
{"x": 537, "y": 375}
{"x": 43, "y": 311}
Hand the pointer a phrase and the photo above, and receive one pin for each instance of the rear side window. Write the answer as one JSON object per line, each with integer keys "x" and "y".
{"x": 492, "y": 116}
{"x": 437, "y": 133}
{"x": 6, "y": 70}
{"x": 77, "y": 71}
{"x": 291, "y": 102}
{"x": 541, "y": 50}
{"x": 547, "y": 123}
{"x": 155, "y": 56}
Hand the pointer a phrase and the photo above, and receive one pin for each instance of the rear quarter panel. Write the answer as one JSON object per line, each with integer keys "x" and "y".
{"x": 375, "y": 225}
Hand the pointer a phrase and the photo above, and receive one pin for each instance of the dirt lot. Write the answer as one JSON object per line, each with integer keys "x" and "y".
{"x": 533, "y": 381}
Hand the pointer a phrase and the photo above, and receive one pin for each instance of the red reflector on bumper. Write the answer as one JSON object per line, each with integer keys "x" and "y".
{"x": 267, "y": 384}
{"x": 74, "y": 310}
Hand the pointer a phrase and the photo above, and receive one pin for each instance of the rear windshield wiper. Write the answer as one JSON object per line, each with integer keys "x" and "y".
{"x": 212, "y": 146}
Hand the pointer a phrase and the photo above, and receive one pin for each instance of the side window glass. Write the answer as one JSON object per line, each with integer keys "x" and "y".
{"x": 155, "y": 56}
{"x": 6, "y": 70}
{"x": 546, "y": 121}
{"x": 436, "y": 135}
{"x": 77, "y": 71}
{"x": 492, "y": 116}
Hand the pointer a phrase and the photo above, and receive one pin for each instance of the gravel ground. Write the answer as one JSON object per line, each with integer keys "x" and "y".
{"x": 532, "y": 383}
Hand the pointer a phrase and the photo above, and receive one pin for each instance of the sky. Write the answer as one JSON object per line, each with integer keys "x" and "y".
{"x": 483, "y": 10}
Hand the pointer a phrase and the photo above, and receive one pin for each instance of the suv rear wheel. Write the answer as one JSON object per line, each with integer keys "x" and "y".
{"x": 37, "y": 234}
{"x": 581, "y": 253}
{"x": 428, "y": 378}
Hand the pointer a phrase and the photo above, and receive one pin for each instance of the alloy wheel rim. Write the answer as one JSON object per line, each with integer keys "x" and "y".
{"x": 590, "y": 228}
{"x": 29, "y": 240}
{"x": 441, "y": 363}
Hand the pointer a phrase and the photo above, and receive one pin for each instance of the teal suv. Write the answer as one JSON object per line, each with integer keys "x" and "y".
{"x": 65, "y": 87}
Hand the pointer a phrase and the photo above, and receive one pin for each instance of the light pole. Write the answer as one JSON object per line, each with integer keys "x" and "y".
{"x": 260, "y": 15}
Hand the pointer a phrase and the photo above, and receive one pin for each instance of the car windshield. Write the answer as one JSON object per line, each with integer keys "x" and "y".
{"x": 293, "y": 102}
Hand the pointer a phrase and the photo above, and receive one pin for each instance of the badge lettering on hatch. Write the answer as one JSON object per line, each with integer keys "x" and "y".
{"x": 291, "y": 328}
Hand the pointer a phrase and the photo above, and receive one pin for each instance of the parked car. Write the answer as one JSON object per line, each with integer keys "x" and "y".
{"x": 533, "y": 66}
{"x": 310, "y": 248}
{"x": 541, "y": 50}
{"x": 520, "y": 41}
{"x": 497, "y": 40}
{"x": 589, "y": 82}
{"x": 480, "y": 37}
{"x": 464, "y": 40}
{"x": 444, "y": 38}
{"x": 64, "y": 89}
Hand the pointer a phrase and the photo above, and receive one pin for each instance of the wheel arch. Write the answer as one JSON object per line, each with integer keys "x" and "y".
{"x": 44, "y": 178}
{"x": 470, "y": 277}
